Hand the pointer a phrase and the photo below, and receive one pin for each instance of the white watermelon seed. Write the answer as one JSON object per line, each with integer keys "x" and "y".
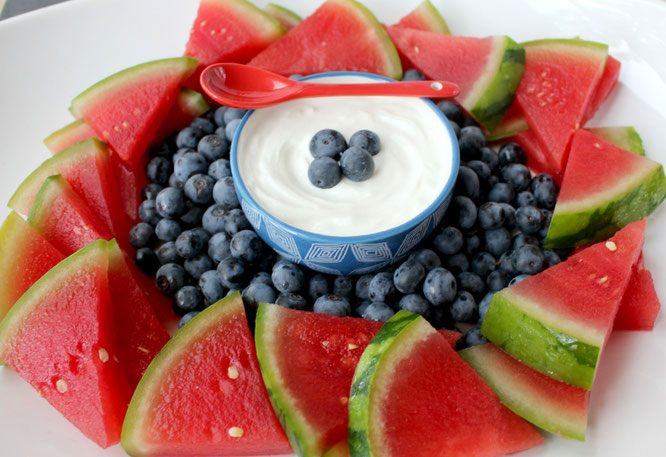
{"x": 232, "y": 372}
{"x": 103, "y": 355}
{"x": 236, "y": 432}
{"x": 61, "y": 385}
{"x": 612, "y": 247}
{"x": 142, "y": 349}
{"x": 352, "y": 346}
{"x": 603, "y": 280}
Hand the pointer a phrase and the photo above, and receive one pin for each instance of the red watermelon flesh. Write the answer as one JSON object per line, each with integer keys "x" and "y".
{"x": 424, "y": 17}
{"x": 60, "y": 338}
{"x": 640, "y": 303}
{"x": 130, "y": 183}
{"x": 203, "y": 394}
{"x": 559, "y": 83}
{"x": 127, "y": 108}
{"x": 606, "y": 85}
{"x": 538, "y": 160}
{"x": 24, "y": 257}
{"x": 341, "y": 35}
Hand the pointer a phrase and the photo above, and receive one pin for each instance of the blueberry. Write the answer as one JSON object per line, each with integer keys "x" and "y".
{"x": 343, "y": 286}
{"x": 517, "y": 176}
{"x": 448, "y": 241}
{"x": 176, "y": 183}
{"x": 356, "y": 164}
{"x": 292, "y": 301}
{"x": 467, "y": 183}
{"x": 187, "y": 318}
{"x": 167, "y": 253}
{"x": 327, "y": 143}
{"x": 148, "y": 212}
{"x": 232, "y": 273}
{"x": 511, "y": 153}
{"x": 169, "y": 278}
{"x": 521, "y": 239}
{"x": 439, "y": 286}
{"x": 324, "y": 172}
{"x": 202, "y": 124}
{"x": 365, "y": 139}
{"x": 187, "y": 299}
{"x": 490, "y": 157}
{"x": 505, "y": 263}
{"x": 472, "y": 283}
{"x": 218, "y": 117}
{"x": 545, "y": 191}
{"x": 551, "y": 258}
{"x": 426, "y": 257}
{"x": 219, "y": 247}
{"x": 150, "y": 191}
{"x": 501, "y": 192}
{"x": 481, "y": 169}
{"x": 188, "y": 138}
{"x": 230, "y": 129}
{"x": 158, "y": 170}
{"x": 498, "y": 241}
{"x": 528, "y": 219}
{"x": 451, "y": 110}
{"x": 224, "y": 193}
{"x": 462, "y": 212}
{"x": 170, "y": 202}
{"x": 332, "y": 305}
{"x": 473, "y": 337}
{"x": 491, "y": 216}
{"x": 213, "y": 219}
{"x": 219, "y": 169}
{"x": 211, "y": 287}
{"x": 231, "y": 114}
{"x": 455, "y": 127}
{"x": 213, "y": 147}
{"x": 318, "y": 286}
{"x": 262, "y": 277}
{"x": 529, "y": 259}
{"x": 518, "y": 279}
{"x": 287, "y": 277}
{"x": 191, "y": 216}
{"x": 141, "y": 235}
{"x": 457, "y": 263}
{"x": 189, "y": 164}
{"x": 413, "y": 75}
{"x": 381, "y": 288}
{"x": 235, "y": 221}
{"x": 378, "y": 311}
{"x": 510, "y": 213}
{"x": 360, "y": 309}
{"x": 199, "y": 188}
{"x": 163, "y": 149}
{"x": 146, "y": 260}
{"x": 414, "y": 303}
{"x": 525, "y": 198}
{"x": 167, "y": 230}
{"x": 547, "y": 217}
{"x": 190, "y": 243}
{"x": 472, "y": 244}
{"x": 497, "y": 280}
{"x": 484, "y": 304}
{"x": 246, "y": 245}
{"x": 408, "y": 276}
{"x": 483, "y": 263}
{"x": 463, "y": 307}
{"x": 197, "y": 265}
{"x": 471, "y": 141}
{"x": 257, "y": 293}
{"x": 362, "y": 287}
{"x": 468, "y": 121}
{"x": 180, "y": 152}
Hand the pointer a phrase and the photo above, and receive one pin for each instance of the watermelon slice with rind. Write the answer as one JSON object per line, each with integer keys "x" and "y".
{"x": 640, "y": 304}
{"x": 60, "y": 338}
{"x": 487, "y": 70}
{"x": 425, "y": 17}
{"x": 24, "y": 258}
{"x": 540, "y": 320}
{"x": 286, "y": 17}
{"x": 341, "y": 35}
{"x": 126, "y": 108}
{"x": 622, "y": 137}
{"x": 188, "y": 105}
{"x": 203, "y": 393}
{"x": 603, "y": 189}
{"x": 548, "y": 403}
{"x": 64, "y": 137}
{"x": 606, "y": 85}
{"x": 412, "y": 395}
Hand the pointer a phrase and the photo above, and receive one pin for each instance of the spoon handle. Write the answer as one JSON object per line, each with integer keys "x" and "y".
{"x": 431, "y": 89}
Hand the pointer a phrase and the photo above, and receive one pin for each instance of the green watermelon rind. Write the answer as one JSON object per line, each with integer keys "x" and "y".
{"x": 51, "y": 184}
{"x": 386, "y": 347}
{"x": 544, "y": 348}
{"x": 302, "y": 437}
{"x": 623, "y": 137}
{"x": 495, "y": 89}
{"x": 592, "y": 220}
{"x": 430, "y": 15}
{"x": 22, "y": 199}
{"x": 127, "y": 77}
{"x": 280, "y": 12}
{"x": 191, "y": 102}
{"x": 518, "y": 399}
{"x": 94, "y": 254}
{"x": 568, "y": 42}
{"x": 131, "y": 439}
{"x": 70, "y": 129}
{"x": 260, "y": 19}
{"x": 508, "y": 129}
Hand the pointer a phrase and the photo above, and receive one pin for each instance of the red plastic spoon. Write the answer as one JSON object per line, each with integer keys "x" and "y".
{"x": 242, "y": 86}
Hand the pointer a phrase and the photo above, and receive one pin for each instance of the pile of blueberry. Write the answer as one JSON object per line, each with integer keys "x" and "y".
{"x": 195, "y": 240}
{"x": 334, "y": 158}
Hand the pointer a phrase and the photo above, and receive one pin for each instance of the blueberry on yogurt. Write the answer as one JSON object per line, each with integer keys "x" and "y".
{"x": 324, "y": 172}
{"x": 357, "y": 164}
{"x": 327, "y": 143}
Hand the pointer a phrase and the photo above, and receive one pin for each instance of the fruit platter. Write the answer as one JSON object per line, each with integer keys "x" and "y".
{"x": 163, "y": 255}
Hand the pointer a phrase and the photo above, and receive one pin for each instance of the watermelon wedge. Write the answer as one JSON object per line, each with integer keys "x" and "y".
{"x": 73, "y": 132}
{"x": 59, "y": 337}
{"x": 87, "y": 168}
{"x": 560, "y": 81}
{"x": 487, "y": 70}
{"x": 203, "y": 394}
{"x": 640, "y": 303}
{"x": 603, "y": 189}
{"x": 540, "y": 321}
{"x": 622, "y": 137}
{"x": 606, "y": 85}
{"x": 24, "y": 258}
{"x": 286, "y": 17}
{"x": 127, "y": 108}
{"x": 425, "y": 17}
{"x": 545, "y": 402}
{"x": 339, "y": 35}
{"x": 189, "y": 104}
{"x": 512, "y": 123}
{"x": 412, "y": 395}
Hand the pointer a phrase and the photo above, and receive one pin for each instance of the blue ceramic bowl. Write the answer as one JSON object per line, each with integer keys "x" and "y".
{"x": 350, "y": 254}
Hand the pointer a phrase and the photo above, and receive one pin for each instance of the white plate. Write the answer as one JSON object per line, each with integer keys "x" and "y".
{"x": 49, "y": 56}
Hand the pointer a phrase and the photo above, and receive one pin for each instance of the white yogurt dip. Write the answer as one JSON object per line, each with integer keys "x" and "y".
{"x": 411, "y": 169}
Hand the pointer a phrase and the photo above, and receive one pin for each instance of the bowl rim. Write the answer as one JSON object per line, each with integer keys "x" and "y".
{"x": 446, "y": 192}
